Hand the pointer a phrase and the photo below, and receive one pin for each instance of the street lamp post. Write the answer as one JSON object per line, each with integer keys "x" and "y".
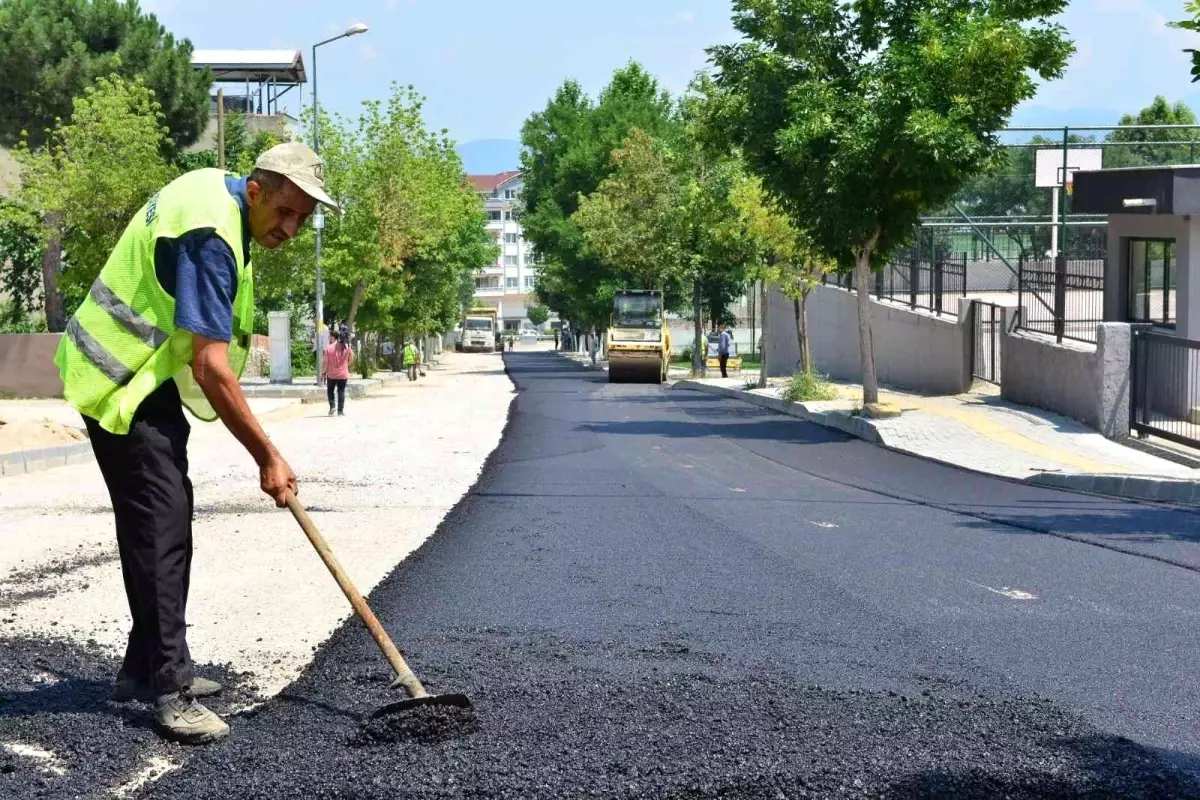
{"x": 319, "y": 216}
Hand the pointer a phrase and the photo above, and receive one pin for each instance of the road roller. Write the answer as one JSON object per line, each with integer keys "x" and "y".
{"x": 638, "y": 341}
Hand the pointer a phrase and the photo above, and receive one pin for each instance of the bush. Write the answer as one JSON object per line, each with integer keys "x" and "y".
{"x": 304, "y": 360}
{"x": 805, "y": 386}
{"x": 686, "y": 354}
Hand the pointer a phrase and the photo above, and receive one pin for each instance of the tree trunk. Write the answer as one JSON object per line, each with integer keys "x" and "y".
{"x": 56, "y": 316}
{"x": 355, "y": 302}
{"x": 397, "y": 364}
{"x": 699, "y": 352}
{"x": 763, "y": 351}
{"x": 866, "y": 344}
{"x": 801, "y": 333}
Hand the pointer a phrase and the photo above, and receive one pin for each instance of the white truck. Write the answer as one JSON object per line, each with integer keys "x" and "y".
{"x": 478, "y": 331}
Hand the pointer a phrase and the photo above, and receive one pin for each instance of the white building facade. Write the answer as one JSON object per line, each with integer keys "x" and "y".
{"x": 508, "y": 283}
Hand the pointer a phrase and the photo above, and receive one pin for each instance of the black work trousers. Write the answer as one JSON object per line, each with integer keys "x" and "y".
{"x": 146, "y": 472}
{"x": 723, "y": 358}
{"x": 339, "y": 385}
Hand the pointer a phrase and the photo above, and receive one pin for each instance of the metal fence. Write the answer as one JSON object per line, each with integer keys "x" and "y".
{"x": 988, "y": 320}
{"x": 1062, "y": 298}
{"x": 1166, "y": 387}
{"x": 918, "y": 284}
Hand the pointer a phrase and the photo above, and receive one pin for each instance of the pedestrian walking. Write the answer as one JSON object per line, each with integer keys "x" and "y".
{"x": 410, "y": 360}
{"x": 556, "y": 338}
{"x": 723, "y": 349}
{"x": 167, "y": 325}
{"x": 338, "y": 356}
{"x": 320, "y": 342}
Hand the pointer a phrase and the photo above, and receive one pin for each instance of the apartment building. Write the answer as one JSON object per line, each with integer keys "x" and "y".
{"x": 508, "y": 283}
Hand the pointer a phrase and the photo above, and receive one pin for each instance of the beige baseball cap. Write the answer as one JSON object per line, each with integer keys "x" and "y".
{"x": 300, "y": 165}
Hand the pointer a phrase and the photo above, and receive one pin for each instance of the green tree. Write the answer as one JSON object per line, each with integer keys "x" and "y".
{"x": 538, "y": 315}
{"x": 20, "y": 269}
{"x": 1133, "y": 147}
{"x": 1192, "y": 7}
{"x": 861, "y": 116}
{"x": 88, "y": 180}
{"x": 565, "y": 156}
{"x": 51, "y": 50}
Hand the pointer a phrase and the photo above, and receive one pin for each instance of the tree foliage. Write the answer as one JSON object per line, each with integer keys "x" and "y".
{"x": 861, "y": 116}
{"x": 52, "y": 50}
{"x": 93, "y": 174}
{"x": 412, "y": 231}
{"x": 538, "y": 315}
{"x": 566, "y": 154}
{"x": 1192, "y": 7}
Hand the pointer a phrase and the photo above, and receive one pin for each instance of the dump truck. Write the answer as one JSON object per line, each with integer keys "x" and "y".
{"x": 478, "y": 330}
{"x": 638, "y": 341}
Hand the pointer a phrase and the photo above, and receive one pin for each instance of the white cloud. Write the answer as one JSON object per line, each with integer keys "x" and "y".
{"x": 367, "y": 52}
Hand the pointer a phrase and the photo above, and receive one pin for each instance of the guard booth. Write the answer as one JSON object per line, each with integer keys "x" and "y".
{"x": 1153, "y": 232}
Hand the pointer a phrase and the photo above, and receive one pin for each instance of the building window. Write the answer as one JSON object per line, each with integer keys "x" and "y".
{"x": 529, "y": 279}
{"x": 508, "y": 216}
{"x": 1152, "y": 277}
{"x": 510, "y": 283}
{"x": 530, "y": 255}
{"x": 494, "y": 216}
{"x": 510, "y": 261}
{"x": 510, "y": 194}
{"x": 490, "y": 282}
{"x": 510, "y": 238}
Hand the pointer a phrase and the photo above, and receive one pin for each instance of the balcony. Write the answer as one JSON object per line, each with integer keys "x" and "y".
{"x": 489, "y": 291}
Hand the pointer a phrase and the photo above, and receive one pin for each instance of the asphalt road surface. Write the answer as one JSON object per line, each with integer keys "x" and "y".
{"x": 659, "y": 593}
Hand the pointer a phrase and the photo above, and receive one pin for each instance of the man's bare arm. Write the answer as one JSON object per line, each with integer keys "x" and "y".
{"x": 210, "y": 367}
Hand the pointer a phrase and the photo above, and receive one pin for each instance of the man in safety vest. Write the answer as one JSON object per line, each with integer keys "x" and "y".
{"x": 411, "y": 360}
{"x": 167, "y": 325}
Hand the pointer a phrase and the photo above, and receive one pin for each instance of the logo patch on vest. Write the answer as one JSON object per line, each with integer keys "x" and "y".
{"x": 152, "y": 208}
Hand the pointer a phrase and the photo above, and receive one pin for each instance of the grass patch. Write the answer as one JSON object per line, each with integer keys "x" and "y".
{"x": 805, "y": 386}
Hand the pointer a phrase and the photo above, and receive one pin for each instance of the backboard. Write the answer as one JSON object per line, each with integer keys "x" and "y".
{"x": 1048, "y": 168}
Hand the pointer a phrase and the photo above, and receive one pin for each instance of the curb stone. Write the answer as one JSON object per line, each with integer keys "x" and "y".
{"x": 22, "y": 462}
{"x": 1126, "y": 487}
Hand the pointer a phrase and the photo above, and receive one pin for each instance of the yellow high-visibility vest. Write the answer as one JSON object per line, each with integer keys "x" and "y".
{"x": 122, "y": 343}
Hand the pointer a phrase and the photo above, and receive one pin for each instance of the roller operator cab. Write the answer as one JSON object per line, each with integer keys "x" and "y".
{"x": 479, "y": 330}
{"x": 638, "y": 341}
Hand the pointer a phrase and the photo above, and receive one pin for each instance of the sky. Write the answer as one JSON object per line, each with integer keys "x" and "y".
{"x": 485, "y": 66}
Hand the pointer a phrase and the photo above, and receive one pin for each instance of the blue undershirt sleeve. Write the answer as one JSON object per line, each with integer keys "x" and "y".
{"x": 205, "y": 285}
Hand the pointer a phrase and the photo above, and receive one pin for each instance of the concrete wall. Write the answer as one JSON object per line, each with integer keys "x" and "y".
{"x": 1090, "y": 384}
{"x": 27, "y": 365}
{"x": 913, "y": 350}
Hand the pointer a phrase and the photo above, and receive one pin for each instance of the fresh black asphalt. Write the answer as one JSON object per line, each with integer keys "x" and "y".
{"x": 660, "y": 593}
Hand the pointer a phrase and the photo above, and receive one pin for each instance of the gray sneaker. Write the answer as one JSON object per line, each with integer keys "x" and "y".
{"x": 126, "y": 689}
{"x": 180, "y": 718}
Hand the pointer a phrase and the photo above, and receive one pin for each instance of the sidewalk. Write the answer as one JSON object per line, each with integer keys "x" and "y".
{"x": 984, "y": 433}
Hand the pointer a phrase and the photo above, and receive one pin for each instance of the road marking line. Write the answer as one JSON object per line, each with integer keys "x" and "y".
{"x": 156, "y": 767}
{"x": 822, "y": 524}
{"x": 735, "y": 489}
{"x": 1005, "y": 591}
{"x": 49, "y": 761}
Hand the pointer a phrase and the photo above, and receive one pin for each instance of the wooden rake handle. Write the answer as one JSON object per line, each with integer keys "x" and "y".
{"x": 404, "y": 675}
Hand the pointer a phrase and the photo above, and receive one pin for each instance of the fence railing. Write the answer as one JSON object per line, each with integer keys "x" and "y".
{"x": 915, "y": 283}
{"x": 988, "y": 320}
{"x": 1062, "y": 298}
{"x": 1166, "y": 387}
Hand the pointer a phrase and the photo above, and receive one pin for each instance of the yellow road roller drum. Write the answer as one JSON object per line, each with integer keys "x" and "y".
{"x": 638, "y": 342}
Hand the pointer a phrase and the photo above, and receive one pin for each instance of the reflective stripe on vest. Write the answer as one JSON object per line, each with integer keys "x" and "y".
{"x": 129, "y": 319}
{"x": 101, "y": 359}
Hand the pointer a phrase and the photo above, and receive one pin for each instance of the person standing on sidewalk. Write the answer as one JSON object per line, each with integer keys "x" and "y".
{"x": 723, "y": 350}
{"x": 410, "y": 360}
{"x": 338, "y": 356}
{"x": 167, "y": 325}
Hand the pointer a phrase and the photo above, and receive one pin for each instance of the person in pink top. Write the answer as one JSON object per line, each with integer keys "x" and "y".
{"x": 338, "y": 356}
